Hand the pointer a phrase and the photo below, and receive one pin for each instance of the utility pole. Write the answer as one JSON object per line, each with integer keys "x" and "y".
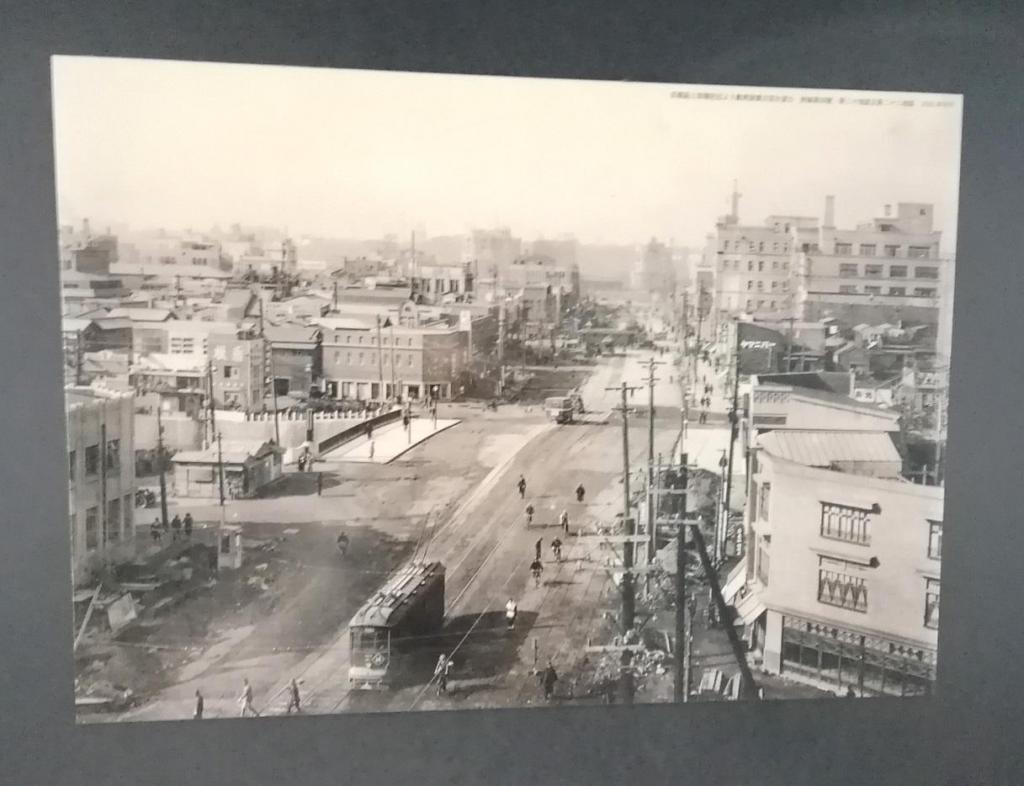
{"x": 79, "y": 356}
{"x": 628, "y": 599}
{"x": 501, "y": 347}
{"x": 789, "y": 345}
{"x": 220, "y": 474}
{"x": 734, "y": 416}
{"x": 683, "y": 616}
{"x": 268, "y": 352}
{"x": 103, "y": 473}
{"x": 651, "y": 479}
{"x": 394, "y": 390}
{"x": 212, "y": 406}
{"x": 380, "y": 361}
{"x": 700, "y": 326}
{"x": 160, "y": 464}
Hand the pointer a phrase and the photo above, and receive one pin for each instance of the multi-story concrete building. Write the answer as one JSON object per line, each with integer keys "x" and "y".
{"x": 365, "y": 363}
{"x": 101, "y": 479}
{"x": 493, "y": 250}
{"x": 239, "y": 367}
{"x": 442, "y": 283}
{"x": 840, "y": 582}
{"x": 753, "y": 265}
{"x": 296, "y": 358}
{"x": 655, "y": 270}
{"x": 886, "y": 269}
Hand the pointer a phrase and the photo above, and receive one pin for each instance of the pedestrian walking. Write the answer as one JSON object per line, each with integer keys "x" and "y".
{"x": 529, "y": 515}
{"x": 319, "y": 483}
{"x": 521, "y": 485}
{"x": 547, "y": 680}
{"x": 556, "y": 548}
{"x": 580, "y": 493}
{"x": 536, "y": 568}
{"x": 176, "y": 526}
{"x": 563, "y": 521}
{"x": 189, "y": 522}
{"x": 294, "y": 700}
{"x": 342, "y": 543}
{"x": 155, "y": 530}
{"x": 441, "y": 673}
{"x": 538, "y": 546}
{"x": 198, "y": 713}
{"x": 245, "y": 700}
{"x": 511, "y": 610}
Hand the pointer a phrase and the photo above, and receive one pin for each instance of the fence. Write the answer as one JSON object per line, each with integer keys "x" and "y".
{"x": 358, "y": 430}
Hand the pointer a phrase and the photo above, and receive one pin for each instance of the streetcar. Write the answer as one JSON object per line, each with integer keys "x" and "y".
{"x": 386, "y": 630}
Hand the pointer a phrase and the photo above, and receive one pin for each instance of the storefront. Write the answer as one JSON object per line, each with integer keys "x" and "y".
{"x": 871, "y": 665}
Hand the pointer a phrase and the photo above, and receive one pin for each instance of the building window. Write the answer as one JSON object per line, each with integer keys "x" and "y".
{"x": 892, "y": 251}
{"x": 868, "y": 290}
{"x": 127, "y": 505}
{"x": 931, "y": 603}
{"x": 750, "y": 285}
{"x": 919, "y": 252}
{"x": 760, "y": 248}
{"x": 750, "y": 304}
{"x": 848, "y": 289}
{"x": 844, "y": 249}
{"x": 924, "y": 292}
{"x": 113, "y": 454}
{"x": 898, "y": 271}
{"x": 867, "y": 249}
{"x": 360, "y": 360}
{"x": 899, "y": 291}
{"x": 92, "y": 460}
{"x": 760, "y": 286}
{"x": 760, "y": 266}
{"x": 71, "y": 464}
{"x": 841, "y": 522}
{"x": 848, "y": 270}
{"x": 763, "y": 564}
{"x": 926, "y": 272}
{"x": 775, "y": 285}
{"x": 228, "y": 372}
{"x": 112, "y": 525}
{"x": 765, "y": 494}
{"x": 935, "y": 539}
{"x": 838, "y": 586}
{"x": 92, "y": 529}
{"x": 873, "y": 271}
{"x": 725, "y": 245}
{"x": 785, "y": 265}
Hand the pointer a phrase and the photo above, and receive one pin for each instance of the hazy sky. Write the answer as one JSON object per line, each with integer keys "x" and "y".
{"x": 363, "y": 153}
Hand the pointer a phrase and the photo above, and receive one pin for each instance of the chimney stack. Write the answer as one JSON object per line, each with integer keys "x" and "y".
{"x": 830, "y": 212}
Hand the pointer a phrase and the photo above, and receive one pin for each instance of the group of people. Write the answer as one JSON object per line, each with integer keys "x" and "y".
{"x": 245, "y": 701}
{"x": 177, "y": 527}
{"x": 537, "y": 566}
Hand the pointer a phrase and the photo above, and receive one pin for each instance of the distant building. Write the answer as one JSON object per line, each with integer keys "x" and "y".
{"x": 840, "y": 581}
{"x": 493, "y": 250}
{"x": 83, "y": 291}
{"x": 886, "y": 269}
{"x": 408, "y": 362}
{"x": 101, "y": 479}
{"x": 655, "y": 270}
{"x": 240, "y": 373}
{"x": 297, "y": 358}
{"x": 443, "y": 283}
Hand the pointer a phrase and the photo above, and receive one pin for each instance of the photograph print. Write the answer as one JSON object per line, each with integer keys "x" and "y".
{"x": 395, "y": 391}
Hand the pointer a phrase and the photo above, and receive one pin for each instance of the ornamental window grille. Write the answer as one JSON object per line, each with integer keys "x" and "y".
{"x": 842, "y": 522}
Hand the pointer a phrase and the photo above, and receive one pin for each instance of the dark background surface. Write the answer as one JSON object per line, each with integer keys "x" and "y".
{"x": 970, "y": 734}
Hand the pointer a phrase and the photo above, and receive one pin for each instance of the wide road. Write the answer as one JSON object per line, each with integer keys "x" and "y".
{"x": 477, "y": 529}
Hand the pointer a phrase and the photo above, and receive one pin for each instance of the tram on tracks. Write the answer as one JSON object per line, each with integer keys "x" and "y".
{"x": 383, "y": 633}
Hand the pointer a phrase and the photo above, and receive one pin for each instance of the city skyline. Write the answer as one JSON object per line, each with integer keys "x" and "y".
{"x": 333, "y": 153}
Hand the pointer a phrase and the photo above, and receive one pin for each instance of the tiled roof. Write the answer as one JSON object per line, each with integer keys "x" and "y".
{"x": 824, "y": 448}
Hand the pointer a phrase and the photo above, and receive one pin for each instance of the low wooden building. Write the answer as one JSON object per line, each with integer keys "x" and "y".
{"x": 248, "y": 468}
